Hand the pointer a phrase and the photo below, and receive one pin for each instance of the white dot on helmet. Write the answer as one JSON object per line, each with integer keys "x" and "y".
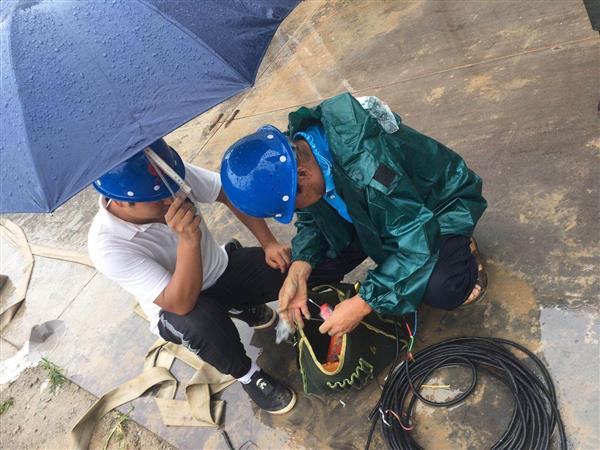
{"x": 278, "y": 215}
{"x": 282, "y": 158}
{"x": 270, "y": 136}
{"x": 131, "y": 194}
{"x": 157, "y": 187}
{"x": 285, "y": 198}
{"x": 98, "y": 183}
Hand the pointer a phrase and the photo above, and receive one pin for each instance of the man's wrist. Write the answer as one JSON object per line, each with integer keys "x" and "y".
{"x": 268, "y": 243}
{"x": 191, "y": 242}
{"x": 300, "y": 269}
{"x": 365, "y": 308}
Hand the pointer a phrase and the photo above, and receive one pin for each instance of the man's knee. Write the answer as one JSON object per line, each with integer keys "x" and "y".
{"x": 198, "y": 325}
{"x": 452, "y": 279}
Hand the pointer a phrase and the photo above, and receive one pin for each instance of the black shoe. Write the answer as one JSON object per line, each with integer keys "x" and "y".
{"x": 258, "y": 317}
{"x": 269, "y": 394}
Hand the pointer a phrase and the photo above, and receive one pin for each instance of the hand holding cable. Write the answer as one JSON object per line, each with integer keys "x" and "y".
{"x": 293, "y": 294}
{"x": 345, "y": 317}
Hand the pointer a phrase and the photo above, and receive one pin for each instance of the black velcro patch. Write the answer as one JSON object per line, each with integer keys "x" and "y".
{"x": 384, "y": 175}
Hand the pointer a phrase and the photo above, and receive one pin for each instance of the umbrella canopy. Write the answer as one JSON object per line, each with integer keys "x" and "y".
{"x": 87, "y": 84}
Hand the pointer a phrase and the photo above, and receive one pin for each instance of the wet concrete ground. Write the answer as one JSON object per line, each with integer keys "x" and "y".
{"x": 511, "y": 86}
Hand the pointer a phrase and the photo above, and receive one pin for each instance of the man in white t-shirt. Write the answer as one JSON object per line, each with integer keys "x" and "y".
{"x": 160, "y": 250}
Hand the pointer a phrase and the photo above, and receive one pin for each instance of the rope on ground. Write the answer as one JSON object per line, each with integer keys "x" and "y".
{"x": 533, "y": 420}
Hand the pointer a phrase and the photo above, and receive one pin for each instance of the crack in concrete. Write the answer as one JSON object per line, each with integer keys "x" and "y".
{"x": 77, "y": 294}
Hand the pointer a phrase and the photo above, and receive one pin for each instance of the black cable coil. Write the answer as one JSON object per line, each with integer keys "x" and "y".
{"x": 533, "y": 419}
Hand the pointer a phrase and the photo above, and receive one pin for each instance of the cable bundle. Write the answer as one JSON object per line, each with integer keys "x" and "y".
{"x": 533, "y": 419}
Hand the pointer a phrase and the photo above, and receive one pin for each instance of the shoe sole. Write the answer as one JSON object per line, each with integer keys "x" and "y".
{"x": 267, "y": 324}
{"x": 288, "y": 408}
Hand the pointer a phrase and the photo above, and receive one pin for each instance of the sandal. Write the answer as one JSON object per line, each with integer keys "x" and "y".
{"x": 482, "y": 279}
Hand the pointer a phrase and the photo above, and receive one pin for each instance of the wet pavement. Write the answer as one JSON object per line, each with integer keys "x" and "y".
{"x": 511, "y": 87}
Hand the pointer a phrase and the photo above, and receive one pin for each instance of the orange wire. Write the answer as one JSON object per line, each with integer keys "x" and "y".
{"x": 399, "y": 421}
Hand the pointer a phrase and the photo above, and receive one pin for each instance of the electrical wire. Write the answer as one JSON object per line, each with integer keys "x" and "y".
{"x": 415, "y": 324}
{"x": 534, "y": 417}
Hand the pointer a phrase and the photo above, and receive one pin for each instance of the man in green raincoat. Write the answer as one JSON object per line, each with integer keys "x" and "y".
{"x": 363, "y": 184}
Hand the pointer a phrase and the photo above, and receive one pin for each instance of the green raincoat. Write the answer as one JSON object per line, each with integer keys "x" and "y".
{"x": 403, "y": 191}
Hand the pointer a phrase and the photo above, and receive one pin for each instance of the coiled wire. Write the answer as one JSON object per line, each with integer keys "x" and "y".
{"x": 533, "y": 419}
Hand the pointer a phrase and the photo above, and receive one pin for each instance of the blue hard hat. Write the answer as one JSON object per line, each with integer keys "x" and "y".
{"x": 259, "y": 175}
{"x": 135, "y": 179}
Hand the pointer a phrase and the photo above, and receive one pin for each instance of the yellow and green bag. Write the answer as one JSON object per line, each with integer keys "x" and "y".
{"x": 365, "y": 351}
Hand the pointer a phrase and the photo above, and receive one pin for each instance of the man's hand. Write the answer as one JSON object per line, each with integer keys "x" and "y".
{"x": 278, "y": 256}
{"x": 293, "y": 294}
{"x": 182, "y": 219}
{"x": 346, "y": 316}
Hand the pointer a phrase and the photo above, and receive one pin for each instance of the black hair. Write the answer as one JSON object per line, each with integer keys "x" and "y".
{"x": 106, "y": 199}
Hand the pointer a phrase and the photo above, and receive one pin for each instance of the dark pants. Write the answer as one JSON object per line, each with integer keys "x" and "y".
{"x": 451, "y": 281}
{"x": 209, "y": 332}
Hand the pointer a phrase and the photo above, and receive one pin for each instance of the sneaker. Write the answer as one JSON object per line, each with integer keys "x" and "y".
{"x": 269, "y": 394}
{"x": 258, "y": 317}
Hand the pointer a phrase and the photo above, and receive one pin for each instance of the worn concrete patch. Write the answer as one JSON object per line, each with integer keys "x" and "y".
{"x": 488, "y": 88}
{"x": 594, "y": 144}
{"x": 552, "y": 208}
{"x": 435, "y": 94}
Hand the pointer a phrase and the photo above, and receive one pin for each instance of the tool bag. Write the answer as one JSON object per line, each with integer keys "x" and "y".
{"x": 363, "y": 353}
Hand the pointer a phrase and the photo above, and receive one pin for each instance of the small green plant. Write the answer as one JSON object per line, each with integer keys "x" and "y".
{"x": 55, "y": 375}
{"x": 6, "y": 404}
{"x": 118, "y": 429}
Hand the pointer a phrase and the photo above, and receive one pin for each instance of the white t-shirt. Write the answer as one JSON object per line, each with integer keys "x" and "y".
{"x": 141, "y": 258}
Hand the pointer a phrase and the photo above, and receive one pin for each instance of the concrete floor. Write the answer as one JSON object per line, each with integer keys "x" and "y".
{"x": 511, "y": 86}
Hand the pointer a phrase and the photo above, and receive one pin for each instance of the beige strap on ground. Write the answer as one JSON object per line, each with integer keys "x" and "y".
{"x": 199, "y": 410}
{"x": 62, "y": 255}
{"x": 84, "y": 429}
{"x": 16, "y": 236}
